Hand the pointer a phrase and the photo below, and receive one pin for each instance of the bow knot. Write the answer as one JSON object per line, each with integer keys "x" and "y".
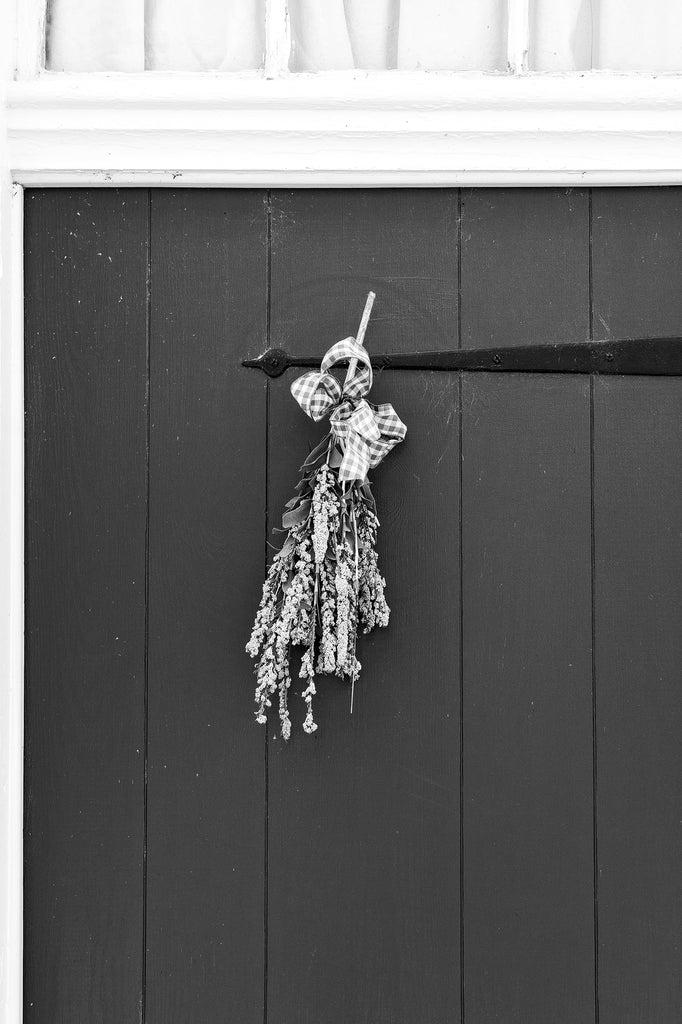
{"x": 366, "y": 433}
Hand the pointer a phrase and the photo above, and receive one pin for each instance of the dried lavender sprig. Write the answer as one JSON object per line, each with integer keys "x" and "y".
{"x": 321, "y": 587}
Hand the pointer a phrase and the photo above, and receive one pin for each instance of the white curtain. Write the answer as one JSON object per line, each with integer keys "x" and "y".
{"x": 432, "y": 35}
{"x": 100, "y": 35}
{"x": 634, "y": 35}
{"x": 156, "y": 35}
{"x": 205, "y": 35}
{"x": 609, "y": 35}
{"x": 454, "y": 35}
{"x": 561, "y": 35}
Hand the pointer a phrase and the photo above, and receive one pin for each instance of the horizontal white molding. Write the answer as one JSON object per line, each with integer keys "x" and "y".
{"x": 382, "y": 89}
{"x": 389, "y": 128}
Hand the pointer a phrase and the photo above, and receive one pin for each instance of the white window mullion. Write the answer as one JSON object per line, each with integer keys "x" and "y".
{"x": 30, "y": 38}
{"x": 277, "y": 38}
{"x": 518, "y": 35}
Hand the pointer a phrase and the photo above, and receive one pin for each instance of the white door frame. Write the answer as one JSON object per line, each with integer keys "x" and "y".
{"x": 11, "y": 608}
{"x": 343, "y": 129}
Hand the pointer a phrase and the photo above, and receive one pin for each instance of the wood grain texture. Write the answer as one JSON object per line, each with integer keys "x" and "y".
{"x": 85, "y": 279}
{"x": 331, "y": 246}
{"x": 637, "y": 262}
{"x": 363, "y": 840}
{"x": 364, "y": 820}
{"x": 320, "y": 882}
{"x": 528, "y": 853}
{"x": 528, "y": 823}
{"x": 638, "y": 610}
{"x": 207, "y": 504}
{"x": 525, "y": 270}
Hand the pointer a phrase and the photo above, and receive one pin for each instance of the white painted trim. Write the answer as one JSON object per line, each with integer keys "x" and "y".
{"x": 518, "y": 35}
{"x": 30, "y": 37}
{"x": 12, "y": 623}
{"x": 369, "y": 129}
{"x": 386, "y": 89}
{"x": 277, "y": 38}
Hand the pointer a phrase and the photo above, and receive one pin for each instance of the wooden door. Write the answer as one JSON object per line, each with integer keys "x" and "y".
{"x": 495, "y": 834}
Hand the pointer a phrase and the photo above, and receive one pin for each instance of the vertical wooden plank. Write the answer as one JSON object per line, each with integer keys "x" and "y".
{"x": 638, "y": 604}
{"x": 638, "y": 609}
{"x": 332, "y": 246}
{"x": 525, "y": 269}
{"x": 638, "y": 491}
{"x": 637, "y": 262}
{"x": 527, "y": 783}
{"x": 528, "y": 918}
{"x": 85, "y": 275}
{"x": 363, "y": 890}
{"x": 207, "y": 503}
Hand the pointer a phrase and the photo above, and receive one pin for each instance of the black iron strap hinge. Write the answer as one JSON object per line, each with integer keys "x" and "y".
{"x": 646, "y": 356}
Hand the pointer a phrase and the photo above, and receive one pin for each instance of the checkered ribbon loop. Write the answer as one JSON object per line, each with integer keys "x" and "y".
{"x": 365, "y": 432}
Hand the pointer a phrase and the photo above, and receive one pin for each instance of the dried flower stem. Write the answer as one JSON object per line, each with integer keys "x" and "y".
{"x": 322, "y": 586}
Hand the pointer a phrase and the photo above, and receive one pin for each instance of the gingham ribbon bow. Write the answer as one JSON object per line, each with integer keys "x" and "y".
{"x": 366, "y": 432}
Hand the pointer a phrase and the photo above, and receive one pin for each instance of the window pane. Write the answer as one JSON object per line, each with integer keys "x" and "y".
{"x": 636, "y": 36}
{"x": 205, "y": 35}
{"x": 100, "y": 35}
{"x": 449, "y": 35}
{"x": 430, "y": 35}
{"x": 560, "y": 35}
{"x": 609, "y": 35}
{"x": 161, "y": 35}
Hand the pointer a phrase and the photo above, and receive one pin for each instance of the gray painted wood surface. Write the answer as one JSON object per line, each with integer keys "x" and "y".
{"x": 494, "y": 835}
{"x": 86, "y": 410}
{"x": 205, "y": 816}
{"x": 637, "y": 256}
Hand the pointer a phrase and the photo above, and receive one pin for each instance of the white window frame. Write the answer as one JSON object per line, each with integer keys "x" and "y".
{"x": 345, "y": 129}
{"x": 273, "y": 129}
{"x": 339, "y": 128}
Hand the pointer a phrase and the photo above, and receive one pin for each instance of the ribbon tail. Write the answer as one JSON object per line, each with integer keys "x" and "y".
{"x": 355, "y": 462}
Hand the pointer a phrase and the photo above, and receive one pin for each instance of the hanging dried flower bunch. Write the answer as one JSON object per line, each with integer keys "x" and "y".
{"x": 324, "y": 584}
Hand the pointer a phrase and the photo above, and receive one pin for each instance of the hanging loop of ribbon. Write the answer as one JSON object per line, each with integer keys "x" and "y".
{"x": 366, "y": 433}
